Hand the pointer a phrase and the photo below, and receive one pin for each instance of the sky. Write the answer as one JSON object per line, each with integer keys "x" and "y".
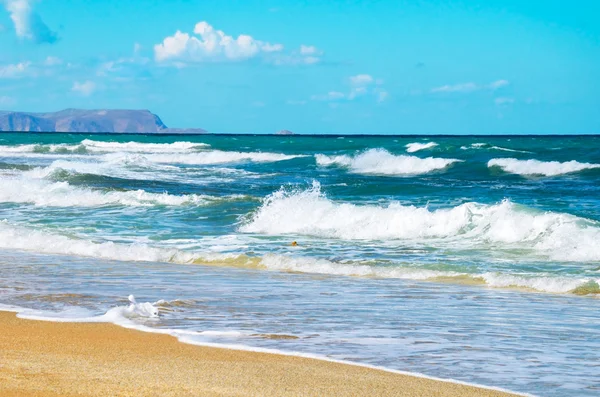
{"x": 340, "y": 66}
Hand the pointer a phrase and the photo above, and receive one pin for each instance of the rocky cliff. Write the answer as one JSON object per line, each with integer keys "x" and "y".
{"x": 78, "y": 120}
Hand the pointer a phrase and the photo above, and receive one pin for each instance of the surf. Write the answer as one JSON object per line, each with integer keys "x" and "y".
{"x": 382, "y": 162}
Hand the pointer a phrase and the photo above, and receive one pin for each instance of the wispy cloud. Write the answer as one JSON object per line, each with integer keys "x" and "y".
{"x": 305, "y": 55}
{"x": 85, "y": 88}
{"x": 28, "y": 24}
{"x": 470, "y": 87}
{"x": 504, "y": 101}
{"x": 52, "y": 61}
{"x": 6, "y": 100}
{"x": 330, "y": 96}
{"x": 360, "y": 84}
{"x": 13, "y": 71}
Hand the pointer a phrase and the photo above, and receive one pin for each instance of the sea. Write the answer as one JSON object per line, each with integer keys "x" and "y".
{"x": 474, "y": 259}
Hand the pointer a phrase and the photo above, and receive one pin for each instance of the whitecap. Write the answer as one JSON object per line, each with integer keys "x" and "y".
{"x": 500, "y": 226}
{"x": 416, "y": 146}
{"x": 382, "y": 162}
{"x": 536, "y": 167}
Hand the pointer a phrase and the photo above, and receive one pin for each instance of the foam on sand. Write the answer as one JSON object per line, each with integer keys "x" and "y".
{"x": 382, "y": 162}
{"x": 536, "y": 167}
{"x": 134, "y": 347}
{"x": 416, "y": 146}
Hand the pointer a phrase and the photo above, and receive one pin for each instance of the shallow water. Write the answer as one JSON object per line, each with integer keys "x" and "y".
{"x": 474, "y": 259}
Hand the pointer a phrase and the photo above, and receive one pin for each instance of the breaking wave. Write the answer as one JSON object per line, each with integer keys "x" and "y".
{"x": 90, "y": 146}
{"x": 505, "y": 225}
{"x": 140, "y": 147}
{"x": 62, "y": 194}
{"x": 26, "y": 239}
{"x": 536, "y": 167}
{"x": 382, "y": 162}
{"x": 214, "y": 157}
{"x": 189, "y": 153}
{"x": 416, "y": 146}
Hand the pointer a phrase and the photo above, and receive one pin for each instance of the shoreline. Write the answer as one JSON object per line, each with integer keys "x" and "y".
{"x": 45, "y": 358}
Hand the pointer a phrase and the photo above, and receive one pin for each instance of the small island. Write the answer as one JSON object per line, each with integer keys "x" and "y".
{"x": 285, "y": 132}
{"x": 90, "y": 121}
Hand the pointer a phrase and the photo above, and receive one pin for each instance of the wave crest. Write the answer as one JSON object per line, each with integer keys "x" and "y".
{"x": 501, "y": 226}
{"x": 382, "y": 162}
{"x": 416, "y": 146}
{"x": 536, "y": 167}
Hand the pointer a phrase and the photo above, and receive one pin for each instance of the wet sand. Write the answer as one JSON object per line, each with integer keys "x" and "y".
{"x": 40, "y": 358}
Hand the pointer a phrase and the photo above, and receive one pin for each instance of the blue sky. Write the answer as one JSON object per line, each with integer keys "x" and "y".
{"x": 461, "y": 67}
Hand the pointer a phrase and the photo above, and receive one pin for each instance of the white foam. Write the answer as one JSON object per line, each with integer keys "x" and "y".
{"x": 211, "y": 157}
{"x": 140, "y": 147}
{"x": 120, "y": 316}
{"x": 536, "y": 167}
{"x": 323, "y": 266}
{"x": 488, "y": 146}
{"x": 416, "y": 146}
{"x": 39, "y": 148}
{"x": 39, "y": 241}
{"x": 25, "y": 239}
{"x": 541, "y": 283}
{"x": 504, "y": 225}
{"x": 382, "y": 162}
{"x": 61, "y": 194}
{"x": 555, "y": 284}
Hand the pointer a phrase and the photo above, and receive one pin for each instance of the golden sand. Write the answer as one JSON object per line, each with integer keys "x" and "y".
{"x": 73, "y": 359}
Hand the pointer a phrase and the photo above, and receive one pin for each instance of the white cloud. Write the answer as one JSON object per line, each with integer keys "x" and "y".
{"x": 463, "y": 87}
{"x": 86, "y": 88}
{"x": 382, "y": 96}
{"x": 137, "y": 47}
{"x": 361, "y": 79}
{"x": 504, "y": 101}
{"x": 52, "y": 61}
{"x": 28, "y": 24}
{"x": 360, "y": 84}
{"x": 272, "y": 47}
{"x": 6, "y": 101}
{"x": 309, "y": 50}
{"x": 470, "y": 87}
{"x": 14, "y": 71}
{"x": 497, "y": 84}
{"x": 209, "y": 44}
{"x": 330, "y": 96}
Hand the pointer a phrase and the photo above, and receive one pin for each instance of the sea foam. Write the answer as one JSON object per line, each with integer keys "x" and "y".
{"x": 536, "y": 167}
{"x": 62, "y": 194}
{"x": 500, "y": 226}
{"x": 382, "y": 162}
{"x": 139, "y": 147}
{"x": 416, "y": 146}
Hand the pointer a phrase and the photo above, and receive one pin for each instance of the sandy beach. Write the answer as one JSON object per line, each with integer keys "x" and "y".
{"x": 40, "y": 358}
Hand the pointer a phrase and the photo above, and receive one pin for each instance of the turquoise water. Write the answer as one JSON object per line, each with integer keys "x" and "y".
{"x": 469, "y": 258}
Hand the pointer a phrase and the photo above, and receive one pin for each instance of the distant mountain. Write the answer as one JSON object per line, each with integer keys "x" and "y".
{"x": 79, "y": 120}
